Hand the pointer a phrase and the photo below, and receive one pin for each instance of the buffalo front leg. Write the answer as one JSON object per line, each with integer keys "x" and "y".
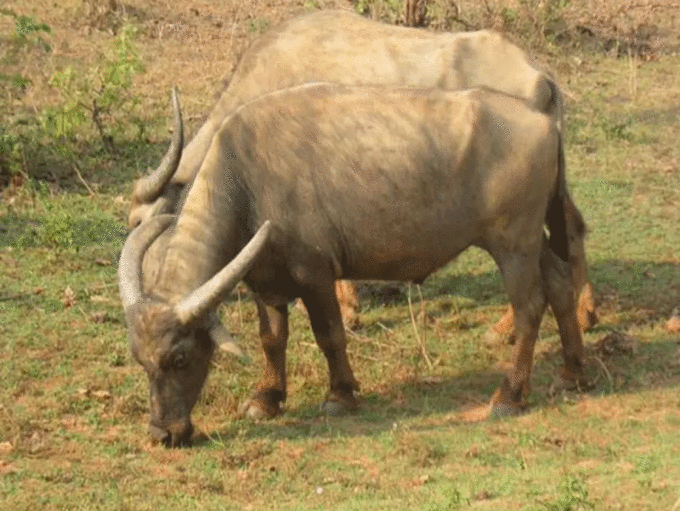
{"x": 329, "y": 332}
{"x": 271, "y": 391}
{"x": 522, "y": 278}
{"x": 348, "y": 299}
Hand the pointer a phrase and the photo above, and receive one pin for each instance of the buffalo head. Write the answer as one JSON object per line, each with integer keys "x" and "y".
{"x": 174, "y": 340}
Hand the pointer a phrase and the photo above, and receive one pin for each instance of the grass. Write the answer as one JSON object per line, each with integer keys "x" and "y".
{"x": 73, "y": 404}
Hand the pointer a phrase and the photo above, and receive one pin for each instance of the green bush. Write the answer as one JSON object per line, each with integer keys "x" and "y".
{"x": 103, "y": 95}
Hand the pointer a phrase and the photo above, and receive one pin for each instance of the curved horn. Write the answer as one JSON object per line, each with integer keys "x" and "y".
{"x": 130, "y": 264}
{"x": 209, "y": 294}
{"x": 150, "y": 187}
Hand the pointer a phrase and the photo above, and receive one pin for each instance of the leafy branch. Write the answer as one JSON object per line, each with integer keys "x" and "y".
{"x": 102, "y": 95}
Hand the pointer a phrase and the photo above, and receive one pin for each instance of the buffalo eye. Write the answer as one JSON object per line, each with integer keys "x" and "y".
{"x": 180, "y": 361}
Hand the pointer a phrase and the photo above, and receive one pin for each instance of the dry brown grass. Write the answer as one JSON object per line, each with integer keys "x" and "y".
{"x": 196, "y": 46}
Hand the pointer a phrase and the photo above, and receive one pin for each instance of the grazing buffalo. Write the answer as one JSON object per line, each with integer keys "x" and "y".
{"x": 342, "y": 47}
{"x": 323, "y": 182}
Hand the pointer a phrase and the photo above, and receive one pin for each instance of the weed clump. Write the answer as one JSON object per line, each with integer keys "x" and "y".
{"x": 25, "y": 39}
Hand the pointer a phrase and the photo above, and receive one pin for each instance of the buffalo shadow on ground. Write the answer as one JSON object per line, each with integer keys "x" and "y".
{"x": 440, "y": 402}
{"x": 617, "y": 363}
{"x": 620, "y": 284}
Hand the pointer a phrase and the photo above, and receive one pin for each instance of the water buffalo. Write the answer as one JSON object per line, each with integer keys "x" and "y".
{"x": 329, "y": 182}
{"x": 342, "y": 47}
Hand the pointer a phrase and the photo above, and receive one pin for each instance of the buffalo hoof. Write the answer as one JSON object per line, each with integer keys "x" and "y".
{"x": 490, "y": 412}
{"x": 336, "y": 404}
{"x": 335, "y": 408}
{"x": 255, "y": 409}
{"x": 567, "y": 379}
{"x": 499, "y": 410}
{"x": 502, "y": 404}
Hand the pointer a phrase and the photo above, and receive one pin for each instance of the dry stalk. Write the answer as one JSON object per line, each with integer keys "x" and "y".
{"x": 676, "y": 506}
{"x": 366, "y": 340}
{"x": 421, "y": 344}
{"x": 606, "y": 371}
{"x": 231, "y": 38}
{"x": 384, "y": 327}
{"x": 632, "y": 74}
{"x": 414, "y": 13}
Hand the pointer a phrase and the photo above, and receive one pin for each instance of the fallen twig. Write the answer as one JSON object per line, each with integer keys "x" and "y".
{"x": 366, "y": 340}
{"x": 384, "y": 327}
{"x": 75, "y": 167}
{"x": 606, "y": 371}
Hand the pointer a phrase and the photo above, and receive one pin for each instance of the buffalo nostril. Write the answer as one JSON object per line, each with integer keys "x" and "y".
{"x": 176, "y": 434}
{"x": 180, "y": 433}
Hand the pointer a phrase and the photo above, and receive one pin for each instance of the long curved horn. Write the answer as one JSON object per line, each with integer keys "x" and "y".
{"x": 150, "y": 187}
{"x": 209, "y": 294}
{"x": 130, "y": 264}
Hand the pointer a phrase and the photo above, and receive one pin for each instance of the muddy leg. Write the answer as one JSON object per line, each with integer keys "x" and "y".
{"x": 324, "y": 314}
{"x": 578, "y": 264}
{"x": 523, "y": 283}
{"x": 506, "y": 324}
{"x": 585, "y": 310}
{"x": 271, "y": 391}
{"x": 346, "y": 293}
{"x": 558, "y": 285}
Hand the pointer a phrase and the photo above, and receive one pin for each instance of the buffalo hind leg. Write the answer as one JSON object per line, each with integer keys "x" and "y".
{"x": 558, "y": 285}
{"x": 271, "y": 391}
{"x": 522, "y": 276}
{"x": 576, "y": 228}
{"x": 578, "y": 270}
{"x": 348, "y": 299}
{"x": 329, "y": 332}
{"x": 585, "y": 312}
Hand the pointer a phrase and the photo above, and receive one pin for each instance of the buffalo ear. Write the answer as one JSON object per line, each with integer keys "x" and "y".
{"x": 222, "y": 339}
